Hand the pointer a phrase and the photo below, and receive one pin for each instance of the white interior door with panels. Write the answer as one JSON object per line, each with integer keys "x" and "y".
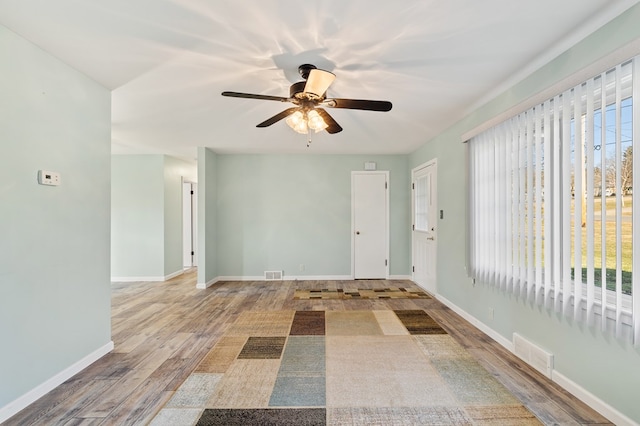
{"x": 370, "y": 224}
{"x": 189, "y": 224}
{"x": 424, "y": 229}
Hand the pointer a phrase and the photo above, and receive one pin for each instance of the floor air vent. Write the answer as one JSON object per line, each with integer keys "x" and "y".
{"x": 273, "y": 275}
{"x": 535, "y": 356}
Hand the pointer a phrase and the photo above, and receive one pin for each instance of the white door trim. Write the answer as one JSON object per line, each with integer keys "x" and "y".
{"x": 353, "y": 226}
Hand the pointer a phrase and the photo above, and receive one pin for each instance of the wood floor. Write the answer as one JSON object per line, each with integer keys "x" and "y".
{"x": 161, "y": 332}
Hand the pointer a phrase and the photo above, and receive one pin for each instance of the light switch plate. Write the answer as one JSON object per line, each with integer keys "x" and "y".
{"x": 46, "y": 177}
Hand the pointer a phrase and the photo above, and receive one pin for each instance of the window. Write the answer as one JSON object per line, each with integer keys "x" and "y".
{"x": 551, "y": 202}
{"x": 422, "y": 202}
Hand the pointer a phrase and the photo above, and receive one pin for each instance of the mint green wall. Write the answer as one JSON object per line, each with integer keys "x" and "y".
{"x": 137, "y": 216}
{"x": 601, "y": 364}
{"x": 55, "y": 295}
{"x": 207, "y": 215}
{"x": 146, "y": 218}
{"x": 276, "y": 212}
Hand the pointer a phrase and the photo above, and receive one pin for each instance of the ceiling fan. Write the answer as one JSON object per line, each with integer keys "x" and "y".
{"x": 309, "y": 98}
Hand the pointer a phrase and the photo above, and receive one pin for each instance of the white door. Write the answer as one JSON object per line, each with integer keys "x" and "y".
{"x": 194, "y": 224}
{"x": 425, "y": 216}
{"x": 189, "y": 224}
{"x": 370, "y": 224}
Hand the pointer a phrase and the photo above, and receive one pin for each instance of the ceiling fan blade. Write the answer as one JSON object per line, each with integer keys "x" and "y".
{"x": 253, "y": 96}
{"x": 287, "y": 112}
{"x": 363, "y": 104}
{"x": 318, "y": 82}
{"x": 333, "y": 126}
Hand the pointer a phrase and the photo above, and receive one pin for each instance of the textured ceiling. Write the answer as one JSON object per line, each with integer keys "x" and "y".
{"x": 167, "y": 61}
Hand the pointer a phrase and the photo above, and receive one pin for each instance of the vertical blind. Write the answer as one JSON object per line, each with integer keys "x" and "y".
{"x": 551, "y": 203}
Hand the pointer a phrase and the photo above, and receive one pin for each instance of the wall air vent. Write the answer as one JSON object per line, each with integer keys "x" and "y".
{"x": 533, "y": 355}
{"x": 273, "y": 275}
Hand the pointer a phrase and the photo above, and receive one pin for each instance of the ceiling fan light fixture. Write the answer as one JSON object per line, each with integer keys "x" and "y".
{"x": 298, "y": 122}
{"x": 316, "y": 122}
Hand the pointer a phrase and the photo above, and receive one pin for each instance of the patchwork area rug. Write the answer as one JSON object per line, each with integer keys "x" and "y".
{"x": 361, "y": 293}
{"x": 378, "y": 367}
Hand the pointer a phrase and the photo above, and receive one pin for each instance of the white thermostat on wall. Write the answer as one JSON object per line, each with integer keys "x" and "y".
{"x": 46, "y": 177}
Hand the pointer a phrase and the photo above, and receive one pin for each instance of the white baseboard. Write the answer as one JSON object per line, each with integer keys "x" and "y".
{"x": 592, "y": 401}
{"x": 251, "y": 278}
{"x": 135, "y": 279}
{"x": 284, "y": 278}
{"x": 208, "y": 284}
{"x": 174, "y": 274}
{"x": 147, "y": 278}
{"x": 477, "y": 323}
{"x": 202, "y": 286}
{"x": 573, "y": 388}
{"x": 335, "y": 277}
{"x": 400, "y": 277}
{"x": 317, "y": 277}
{"x": 39, "y": 391}
{"x": 240, "y": 278}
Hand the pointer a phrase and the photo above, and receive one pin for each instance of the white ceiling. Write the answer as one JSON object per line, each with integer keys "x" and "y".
{"x": 167, "y": 61}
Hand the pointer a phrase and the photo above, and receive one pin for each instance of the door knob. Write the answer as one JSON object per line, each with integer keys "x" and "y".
{"x": 357, "y": 232}
{"x": 430, "y": 238}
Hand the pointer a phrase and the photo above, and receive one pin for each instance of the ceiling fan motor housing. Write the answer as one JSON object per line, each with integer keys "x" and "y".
{"x": 296, "y": 88}
{"x": 305, "y": 69}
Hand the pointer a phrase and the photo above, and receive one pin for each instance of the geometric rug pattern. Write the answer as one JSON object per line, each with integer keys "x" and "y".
{"x": 419, "y": 322}
{"x": 362, "y": 293}
{"x": 379, "y": 367}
